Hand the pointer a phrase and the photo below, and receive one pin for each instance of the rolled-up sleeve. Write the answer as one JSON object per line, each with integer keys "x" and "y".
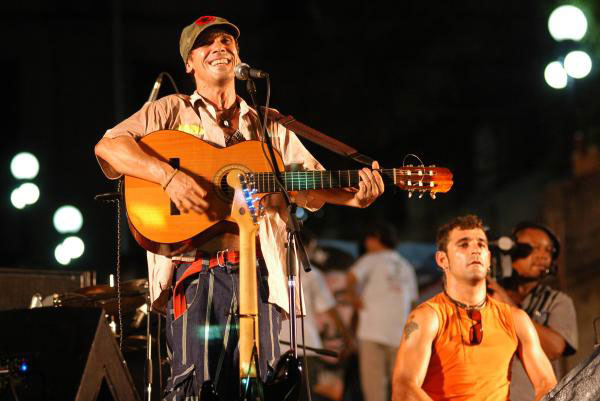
{"x": 151, "y": 117}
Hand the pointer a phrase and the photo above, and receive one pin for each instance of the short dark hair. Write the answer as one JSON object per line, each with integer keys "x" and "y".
{"x": 384, "y": 232}
{"x": 467, "y": 222}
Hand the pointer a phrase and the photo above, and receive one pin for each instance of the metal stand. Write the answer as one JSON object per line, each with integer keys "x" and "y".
{"x": 149, "y": 352}
{"x": 295, "y": 249}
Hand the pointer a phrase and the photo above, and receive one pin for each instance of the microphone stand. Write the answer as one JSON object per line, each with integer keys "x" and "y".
{"x": 295, "y": 249}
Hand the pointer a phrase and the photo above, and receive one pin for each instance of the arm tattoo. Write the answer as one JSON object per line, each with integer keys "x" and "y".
{"x": 409, "y": 328}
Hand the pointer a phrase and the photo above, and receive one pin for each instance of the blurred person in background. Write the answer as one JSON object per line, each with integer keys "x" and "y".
{"x": 383, "y": 287}
{"x": 552, "y": 312}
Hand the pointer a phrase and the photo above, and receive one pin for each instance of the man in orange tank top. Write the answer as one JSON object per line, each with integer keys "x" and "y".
{"x": 459, "y": 344}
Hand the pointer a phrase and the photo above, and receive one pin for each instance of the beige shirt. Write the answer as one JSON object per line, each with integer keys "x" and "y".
{"x": 193, "y": 115}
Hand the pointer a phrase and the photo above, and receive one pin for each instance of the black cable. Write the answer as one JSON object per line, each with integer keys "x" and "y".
{"x": 119, "y": 188}
{"x": 172, "y": 81}
{"x": 158, "y": 353}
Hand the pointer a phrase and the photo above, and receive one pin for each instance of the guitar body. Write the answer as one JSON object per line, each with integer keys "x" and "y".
{"x": 155, "y": 222}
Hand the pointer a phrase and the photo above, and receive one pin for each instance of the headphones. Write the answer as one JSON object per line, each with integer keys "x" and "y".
{"x": 524, "y": 251}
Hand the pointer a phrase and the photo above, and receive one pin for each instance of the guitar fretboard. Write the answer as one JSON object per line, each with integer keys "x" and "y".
{"x": 303, "y": 180}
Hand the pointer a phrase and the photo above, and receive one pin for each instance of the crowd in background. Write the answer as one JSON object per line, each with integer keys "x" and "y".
{"x": 358, "y": 308}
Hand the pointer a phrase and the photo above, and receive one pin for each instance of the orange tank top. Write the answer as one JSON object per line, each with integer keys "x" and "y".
{"x": 459, "y": 371}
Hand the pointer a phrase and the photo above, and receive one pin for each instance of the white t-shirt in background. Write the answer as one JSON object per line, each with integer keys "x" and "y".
{"x": 387, "y": 285}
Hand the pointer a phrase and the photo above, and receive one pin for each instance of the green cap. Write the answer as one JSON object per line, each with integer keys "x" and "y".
{"x": 191, "y": 32}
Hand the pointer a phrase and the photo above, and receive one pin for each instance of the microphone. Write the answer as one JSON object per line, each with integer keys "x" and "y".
{"x": 243, "y": 72}
{"x": 155, "y": 88}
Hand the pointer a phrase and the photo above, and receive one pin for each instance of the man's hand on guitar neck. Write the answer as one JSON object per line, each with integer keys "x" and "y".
{"x": 186, "y": 193}
{"x": 370, "y": 186}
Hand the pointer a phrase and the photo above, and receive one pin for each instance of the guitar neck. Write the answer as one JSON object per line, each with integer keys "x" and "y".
{"x": 323, "y": 179}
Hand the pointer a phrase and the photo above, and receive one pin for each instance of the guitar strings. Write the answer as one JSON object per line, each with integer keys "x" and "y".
{"x": 304, "y": 180}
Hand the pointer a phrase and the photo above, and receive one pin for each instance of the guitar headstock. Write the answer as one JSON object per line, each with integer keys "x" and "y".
{"x": 244, "y": 209}
{"x": 423, "y": 179}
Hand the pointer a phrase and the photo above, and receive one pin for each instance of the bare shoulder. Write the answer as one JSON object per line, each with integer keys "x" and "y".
{"x": 519, "y": 316}
{"x": 523, "y": 324}
{"x": 423, "y": 321}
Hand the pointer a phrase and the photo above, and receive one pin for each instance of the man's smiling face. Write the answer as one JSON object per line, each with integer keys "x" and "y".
{"x": 213, "y": 58}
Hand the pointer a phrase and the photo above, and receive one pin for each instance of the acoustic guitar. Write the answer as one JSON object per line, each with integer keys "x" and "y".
{"x": 159, "y": 227}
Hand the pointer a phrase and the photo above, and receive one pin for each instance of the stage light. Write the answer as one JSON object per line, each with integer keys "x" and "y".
{"x": 17, "y": 199}
{"x": 73, "y": 246}
{"x": 62, "y": 255}
{"x": 67, "y": 219}
{"x": 24, "y": 166}
{"x": 26, "y": 194}
{"x": 30, "y": 192}
{"x": 567, "y": 22}
{"x": 578, "y": 64}
{"x": 555, "y": 75}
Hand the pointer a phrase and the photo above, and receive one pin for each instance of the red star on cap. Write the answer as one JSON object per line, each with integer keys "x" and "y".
{"x": 204, "y": 20}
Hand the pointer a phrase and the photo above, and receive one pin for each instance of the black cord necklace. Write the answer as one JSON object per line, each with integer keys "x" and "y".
{"x": 465, "y": 306}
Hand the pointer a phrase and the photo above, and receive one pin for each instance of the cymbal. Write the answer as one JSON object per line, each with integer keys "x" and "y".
{"x": 133, "y": 295}
{"x": 137, "y": 286}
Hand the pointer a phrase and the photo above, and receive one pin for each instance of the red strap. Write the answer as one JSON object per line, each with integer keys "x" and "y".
{"x": 179, "y": 300}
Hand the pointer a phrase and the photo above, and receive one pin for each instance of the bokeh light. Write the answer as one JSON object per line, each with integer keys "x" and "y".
{"x": 62, "y": 255}
{"x": 555, "y": 75}
{"x": 578, "y": 64}
{"x": 67, "y": 219}
{"x": 567, "y": 22}
{"x": 74, "y": 246}
{"x": 24, "y": 166}
{"x": 27, "y": 194}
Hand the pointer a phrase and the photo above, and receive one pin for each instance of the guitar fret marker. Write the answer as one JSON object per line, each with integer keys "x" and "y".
{"x": 175, "y": 163}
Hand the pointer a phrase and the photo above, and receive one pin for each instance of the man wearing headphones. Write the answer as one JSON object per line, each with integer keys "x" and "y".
{"x": 551, "y": 311}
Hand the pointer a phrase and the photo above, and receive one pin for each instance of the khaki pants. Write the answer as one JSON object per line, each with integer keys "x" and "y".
{"x": 376, "y": 367}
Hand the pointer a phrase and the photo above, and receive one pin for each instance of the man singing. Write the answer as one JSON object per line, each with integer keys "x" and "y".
{"x": 203, "y": 338}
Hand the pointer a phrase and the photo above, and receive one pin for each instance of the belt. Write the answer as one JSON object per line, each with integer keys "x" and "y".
{"x": 220, "y": 259}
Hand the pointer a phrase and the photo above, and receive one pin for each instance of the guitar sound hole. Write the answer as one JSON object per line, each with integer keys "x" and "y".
{"x": 222, "y": 189}
{"x": 225, "y": 189}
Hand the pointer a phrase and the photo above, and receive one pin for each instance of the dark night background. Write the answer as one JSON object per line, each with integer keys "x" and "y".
{"x": 458, "y": 83}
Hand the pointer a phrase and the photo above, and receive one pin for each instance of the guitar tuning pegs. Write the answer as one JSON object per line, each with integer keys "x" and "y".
{"x": 432, "y": 194}
{"x": 410, "y": 194}
{"x": 420, "y": 195}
